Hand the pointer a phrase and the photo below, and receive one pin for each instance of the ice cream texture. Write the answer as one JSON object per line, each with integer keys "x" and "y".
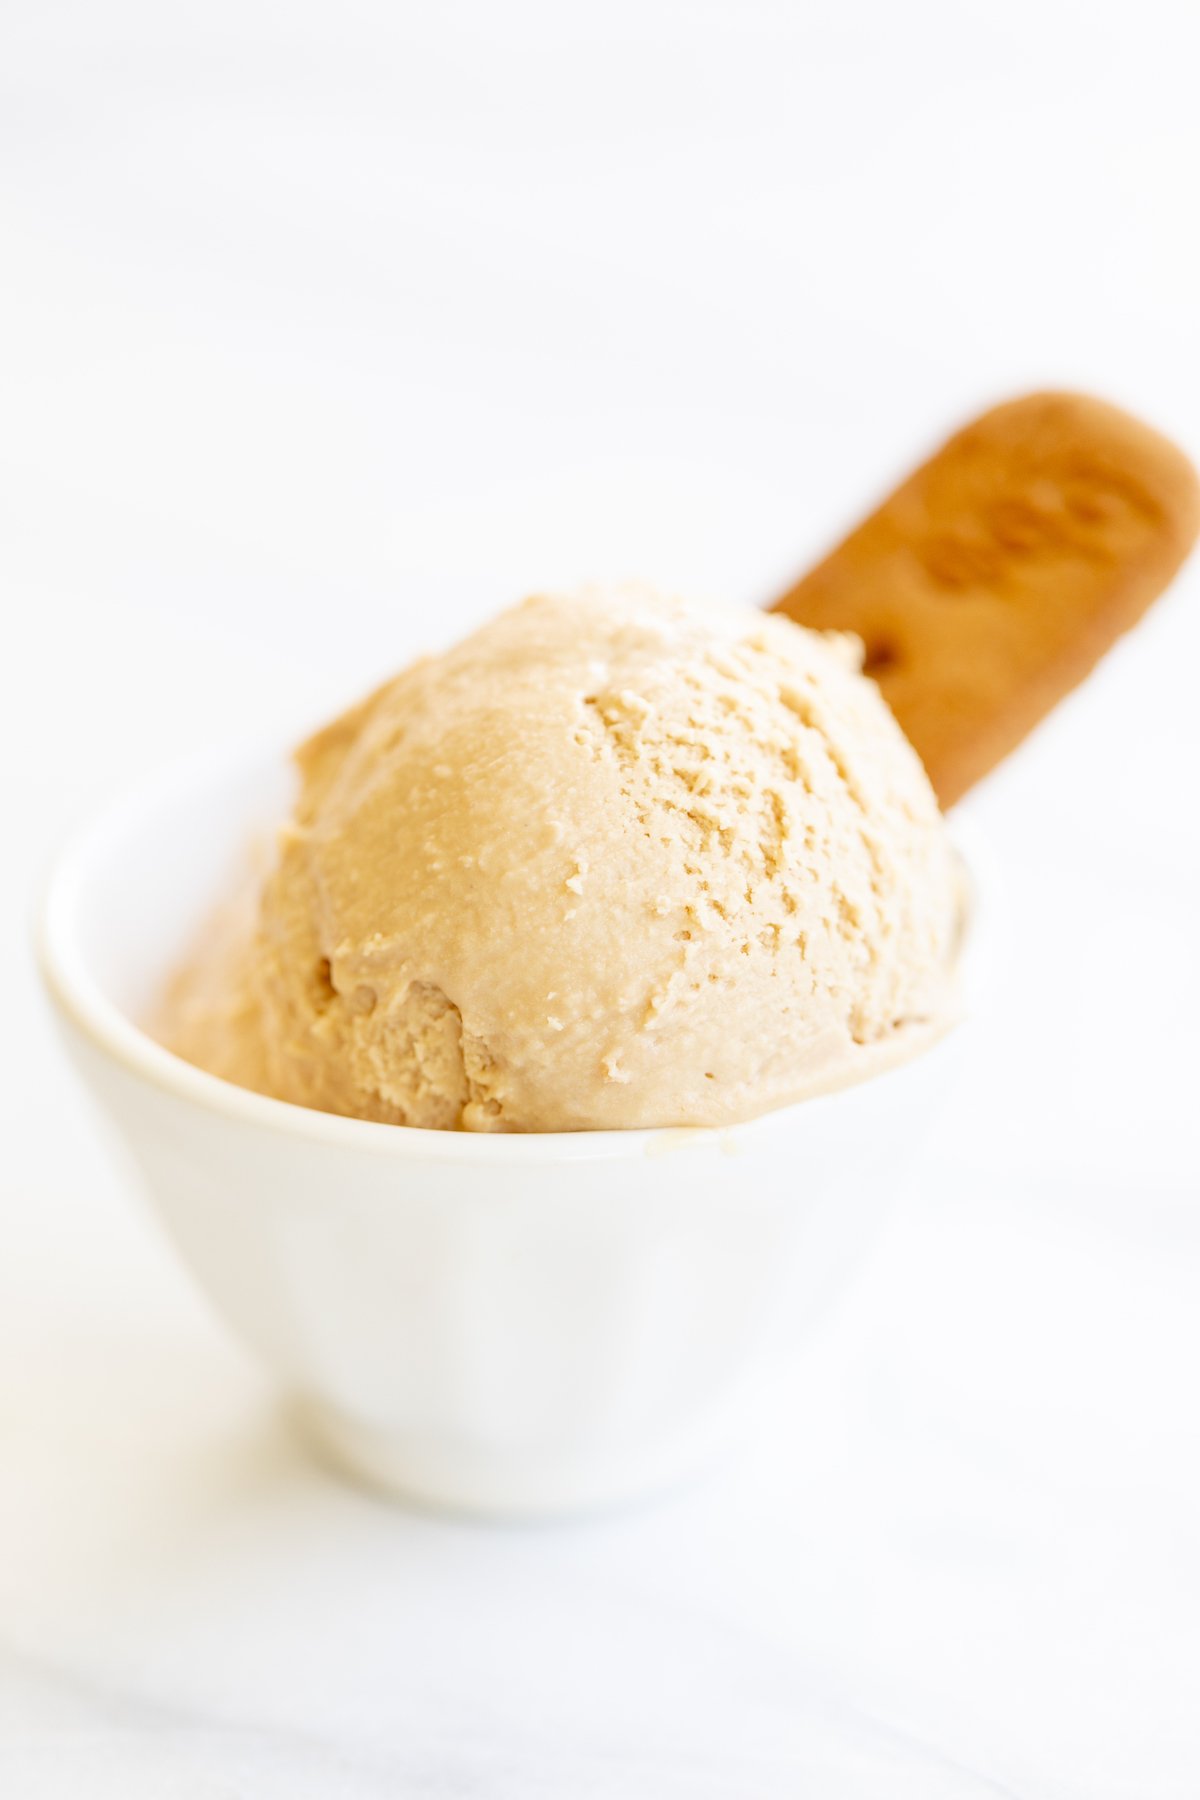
{"x": 615, "y": 860}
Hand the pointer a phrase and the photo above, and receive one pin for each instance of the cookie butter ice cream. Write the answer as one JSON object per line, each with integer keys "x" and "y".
{"x": 615, "y": 860}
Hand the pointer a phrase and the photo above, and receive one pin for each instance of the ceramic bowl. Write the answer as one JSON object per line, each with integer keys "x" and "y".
{"x": 511, "y": 1325}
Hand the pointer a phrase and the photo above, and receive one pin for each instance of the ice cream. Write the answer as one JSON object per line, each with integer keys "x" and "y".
{"x": 615, "y": 860}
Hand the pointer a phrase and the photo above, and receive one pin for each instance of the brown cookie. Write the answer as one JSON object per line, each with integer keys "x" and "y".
{"x": 993, "y": 580}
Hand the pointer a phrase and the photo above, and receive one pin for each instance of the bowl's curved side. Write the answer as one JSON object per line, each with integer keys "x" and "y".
{"x": 520, "y": 1338}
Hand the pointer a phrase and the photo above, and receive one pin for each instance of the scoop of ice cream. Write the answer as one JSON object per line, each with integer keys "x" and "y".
{"x": 615, "y": 860}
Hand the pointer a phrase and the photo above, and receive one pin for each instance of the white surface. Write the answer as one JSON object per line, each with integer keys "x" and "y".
{"x": 323, "y": 334}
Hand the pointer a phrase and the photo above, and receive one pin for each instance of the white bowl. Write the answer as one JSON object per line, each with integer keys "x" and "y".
{"x": 503, "y": 1324}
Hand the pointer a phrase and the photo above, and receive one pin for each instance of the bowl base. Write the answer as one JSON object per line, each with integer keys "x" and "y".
{"x": 505, "y": 1486}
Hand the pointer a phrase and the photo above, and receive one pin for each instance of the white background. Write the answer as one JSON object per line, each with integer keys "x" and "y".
{"x": 323, "y": 333}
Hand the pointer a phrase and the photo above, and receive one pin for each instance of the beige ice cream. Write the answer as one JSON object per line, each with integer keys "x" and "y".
{"x": 615, "y": 860}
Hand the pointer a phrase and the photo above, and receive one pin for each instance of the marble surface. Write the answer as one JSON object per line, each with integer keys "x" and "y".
{"x": 325, "y": 332}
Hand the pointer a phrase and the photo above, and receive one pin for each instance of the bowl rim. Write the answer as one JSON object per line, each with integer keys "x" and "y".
{"x": 83, "y": 1003}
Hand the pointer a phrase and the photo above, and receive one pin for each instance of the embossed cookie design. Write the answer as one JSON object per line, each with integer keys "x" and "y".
{"x": 991, "y": 582}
